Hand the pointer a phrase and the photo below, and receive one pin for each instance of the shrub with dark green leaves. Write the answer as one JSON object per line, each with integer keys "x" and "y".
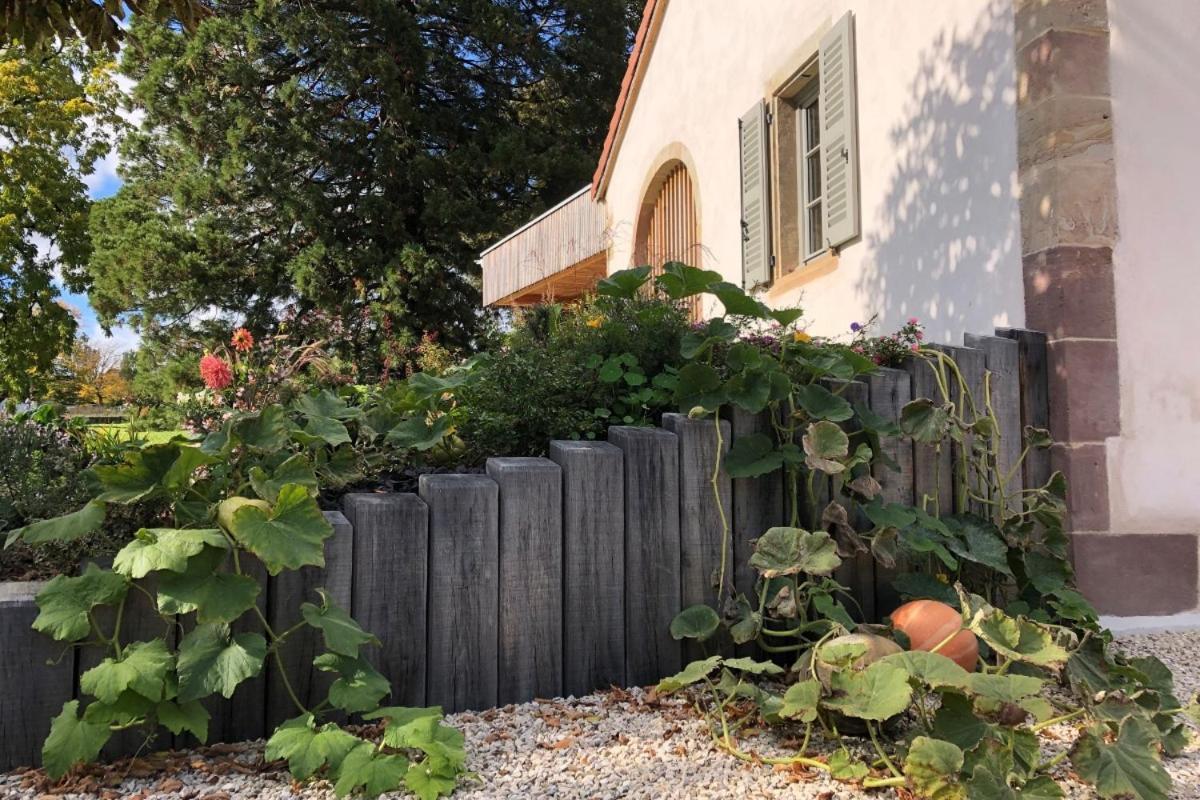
{"x": 568, "y": 372}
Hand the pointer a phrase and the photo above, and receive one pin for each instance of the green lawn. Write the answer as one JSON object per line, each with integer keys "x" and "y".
{"x": 151, "y": 437}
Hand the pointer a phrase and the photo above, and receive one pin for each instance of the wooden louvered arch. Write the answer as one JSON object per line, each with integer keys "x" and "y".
{"x": 668, "y": 226}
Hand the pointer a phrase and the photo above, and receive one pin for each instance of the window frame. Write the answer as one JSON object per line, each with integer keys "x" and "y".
{"x": 809, "y": 98}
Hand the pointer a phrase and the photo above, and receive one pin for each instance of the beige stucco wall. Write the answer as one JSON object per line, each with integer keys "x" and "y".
{"x": 1154, "y": 61}
{"x": 937, "y": 145}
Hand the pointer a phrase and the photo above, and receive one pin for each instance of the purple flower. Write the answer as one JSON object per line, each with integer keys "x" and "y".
{"x": 855, "y": 327}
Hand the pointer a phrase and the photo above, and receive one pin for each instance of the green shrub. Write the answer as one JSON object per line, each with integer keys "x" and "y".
{"x": 567, "y": 372}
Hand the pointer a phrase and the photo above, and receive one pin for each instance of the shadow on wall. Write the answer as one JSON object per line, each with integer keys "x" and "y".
{"x": 945, "y": 245}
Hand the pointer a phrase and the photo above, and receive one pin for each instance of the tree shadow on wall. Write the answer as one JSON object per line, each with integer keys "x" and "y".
{"x": 945, "y": 244}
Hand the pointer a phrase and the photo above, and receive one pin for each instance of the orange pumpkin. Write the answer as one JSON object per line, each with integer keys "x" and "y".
{"x": 928, "y": 623}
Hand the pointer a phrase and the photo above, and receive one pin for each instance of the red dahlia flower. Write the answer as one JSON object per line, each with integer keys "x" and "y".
{"x": 215, "y": 372}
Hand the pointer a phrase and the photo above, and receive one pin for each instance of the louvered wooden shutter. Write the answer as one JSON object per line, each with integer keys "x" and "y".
{"x": 839, "y": 135}
{"x": 756, "y": 217}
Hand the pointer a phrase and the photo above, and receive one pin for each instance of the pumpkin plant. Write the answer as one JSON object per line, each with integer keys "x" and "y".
{"x": 248, "y": 491}
{"x": 1000, "y": 544}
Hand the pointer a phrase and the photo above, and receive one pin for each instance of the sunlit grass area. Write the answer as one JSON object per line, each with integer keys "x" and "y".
{"x": 124, "y": 431}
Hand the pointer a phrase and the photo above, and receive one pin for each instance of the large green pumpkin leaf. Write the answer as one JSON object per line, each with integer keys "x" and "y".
{"x": 695, "y": 622}
{"x": 801, "y": 700}
{"x": 955, "y": 721}
{"x": 878, "y": 692}
{"x": 678, "y": 280}
{"x": 694, "y": 672}
{"x": 265, "y": 430}
{"x": 924, "y": 422}
{"x": 737, "y": 302}
{"x": 66, "y": 528}
{"x": 72, "y": 741}
{"x": 1003, "y": 688}
{"x": 142, "y": 668}
{"x": 154, "y": 549}
{"x": 359, "y": 686}
{"x": 791, "y": 551}
{"x": 931, "y": 669}
{"x": 192, "y": 717}
{"x": 932, "y": 768}
{"x": 1127, "y": 767}
{"x": 295, "y": 469}
{"x": 625, "y": 283}
{"x": 212, "y": 661}
{"x": 1020, "y": 639}
{"x": 699, "y": 385}
{"x": 342, "y": 634}
{"x": 822, "y": 404}
{"x": 752, "y": 455}
{"x": 429, "y": 779}
{"x": 824, "y": 443}
{"x": 416, "y": 433}
{"x": 214, "y": 596}
{"x": 64, "y": 602}
{"x": 367, "y": 770}
{"x": 292, "y": 536}
{"x": 308, "y": 748}
{"x": 326, "y": 404}
{"x": 977, "y": 540}
{"x": 151, "y": 470}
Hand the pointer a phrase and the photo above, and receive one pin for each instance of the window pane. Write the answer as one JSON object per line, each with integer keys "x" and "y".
{"x": 815, "y": 241}
{"x": 812, "y": 130}
{"x": 813, "y": 164}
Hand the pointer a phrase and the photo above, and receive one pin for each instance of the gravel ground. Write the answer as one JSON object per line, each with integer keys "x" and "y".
{"x": 614, "y": 744}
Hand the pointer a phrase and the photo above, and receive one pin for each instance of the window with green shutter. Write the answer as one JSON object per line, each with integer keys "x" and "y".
{"x": 756, "y": 210}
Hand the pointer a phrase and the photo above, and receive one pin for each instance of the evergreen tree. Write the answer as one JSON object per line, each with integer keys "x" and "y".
{"x": 352, "y": 155}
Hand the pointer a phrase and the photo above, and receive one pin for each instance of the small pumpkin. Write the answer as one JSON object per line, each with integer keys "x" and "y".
{"x": 928, "y": 623}
{"x": 876, "y": 648}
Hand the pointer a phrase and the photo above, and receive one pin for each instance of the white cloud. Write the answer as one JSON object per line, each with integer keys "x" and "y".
{"x": 122, "y": 339}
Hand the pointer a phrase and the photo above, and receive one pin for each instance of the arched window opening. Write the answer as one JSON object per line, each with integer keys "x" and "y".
{"x": 669, "y": 227}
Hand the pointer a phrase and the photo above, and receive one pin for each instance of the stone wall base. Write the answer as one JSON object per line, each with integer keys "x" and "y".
{"x": 1138, "y": 574}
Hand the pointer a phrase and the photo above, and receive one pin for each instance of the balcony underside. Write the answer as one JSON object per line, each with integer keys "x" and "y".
{"x": 568, "y": 284}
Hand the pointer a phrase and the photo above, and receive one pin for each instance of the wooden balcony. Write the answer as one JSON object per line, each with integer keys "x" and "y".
{"x": 560, "y": 255}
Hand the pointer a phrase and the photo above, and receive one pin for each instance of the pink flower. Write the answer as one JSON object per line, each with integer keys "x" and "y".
{"x": 215, "y": 373}
{"x": 913, "y": 321}
{"x": 915, "y": 347}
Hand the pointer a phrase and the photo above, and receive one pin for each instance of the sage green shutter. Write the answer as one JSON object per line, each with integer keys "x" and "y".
{"x": 756, "y": 217}
{"x": 839, "y": 134}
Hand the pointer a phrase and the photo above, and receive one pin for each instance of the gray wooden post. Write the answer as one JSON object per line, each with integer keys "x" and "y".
{"x": 36, "y": 672}
{"x": 857, "y": 571}
{"x": 702, "y": 535}
{"x": 463, "y": 590}
{"x": 652, "y": 578}
{"x": 759, "y": 503}
{"x": 932, "y": 474}
{"x": 972, "y": 364}
{"x": 1004, "y": 363}
{"x": 288, "y": 590}
{"x": 531, "y": 578}
{"x": 1035, "y": 397}
{"x": 890, "y": 390}
{"x": 593, "y": 506}
{"x": 391, "y": 565}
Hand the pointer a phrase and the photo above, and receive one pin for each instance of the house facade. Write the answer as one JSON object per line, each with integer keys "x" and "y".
{"x": 972, "y": 163}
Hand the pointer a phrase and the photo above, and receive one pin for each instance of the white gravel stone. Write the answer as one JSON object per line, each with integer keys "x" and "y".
{"x": 605, "y": 747}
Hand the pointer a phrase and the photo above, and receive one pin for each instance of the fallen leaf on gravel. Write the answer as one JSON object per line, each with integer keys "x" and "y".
{"x": 496, "y": 736}
{"x": 167, "y": 785}
{"x": 216, "y": 796}
{"x": 561, "y": 744}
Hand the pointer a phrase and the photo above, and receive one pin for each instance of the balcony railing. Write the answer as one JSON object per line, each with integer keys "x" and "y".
{"x": 559, "y": 255}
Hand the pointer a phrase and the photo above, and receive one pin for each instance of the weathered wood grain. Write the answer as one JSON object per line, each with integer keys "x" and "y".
{"x": 37, "y": 675}
{"x": 857, "y": 571}
{"x": 702, "y": 535}
{"x": 531, "y": 578}
{"x": 243, "y": 716}
{"x": 652, "y": 551}
{"x": 593, "y": 514}
{"x": 1035, "y": 397}
{"x": 463, "y": 591}
{"x": 889, "y": 390}
{"x": 1004, "y": 383}
{"x": 933, "y": 481}
{"x": 759, "y": 503}
{"x": 286, "y": 592}
{"x": 971, "y": 364}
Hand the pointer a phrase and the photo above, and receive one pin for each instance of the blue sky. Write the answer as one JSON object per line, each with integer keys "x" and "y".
{"x": 103, "y": 182}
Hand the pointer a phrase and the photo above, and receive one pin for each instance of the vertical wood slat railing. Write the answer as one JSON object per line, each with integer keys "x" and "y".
{"x": 542, "y": 577}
